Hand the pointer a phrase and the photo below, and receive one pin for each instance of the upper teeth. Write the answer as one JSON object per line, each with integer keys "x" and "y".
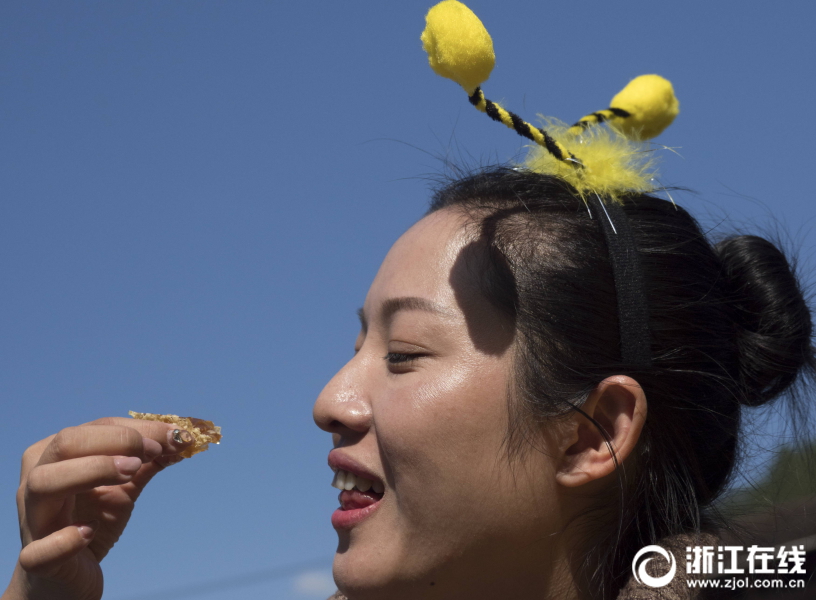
{"x": 343, "y": 480}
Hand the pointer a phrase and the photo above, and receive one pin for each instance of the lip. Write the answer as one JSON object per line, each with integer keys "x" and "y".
{"x": 338, "y": 460}
{"x": 351, "y": 516}
{"x": 346, "y": 518}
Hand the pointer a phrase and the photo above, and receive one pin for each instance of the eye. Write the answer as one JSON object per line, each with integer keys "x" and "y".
{"x": 403, "y": 357}
{"x": 395, "y": 358}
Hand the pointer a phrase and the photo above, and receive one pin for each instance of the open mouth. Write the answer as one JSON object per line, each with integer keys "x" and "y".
{"x": 358, "y": 498}
{"x": 344, "y": 480}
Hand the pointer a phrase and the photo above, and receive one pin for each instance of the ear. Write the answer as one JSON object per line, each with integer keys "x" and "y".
{"x": 618, "y": 405}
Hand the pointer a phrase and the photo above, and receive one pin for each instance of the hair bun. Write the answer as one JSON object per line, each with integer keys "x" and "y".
{"x": 773, "y": 319}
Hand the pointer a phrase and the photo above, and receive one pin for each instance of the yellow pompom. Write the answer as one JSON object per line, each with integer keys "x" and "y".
{"x": 458, "y": 45}
{"x": 652, "y": 105}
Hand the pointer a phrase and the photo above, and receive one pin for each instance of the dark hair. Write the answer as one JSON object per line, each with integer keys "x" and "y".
{"x": 728, "y": 322}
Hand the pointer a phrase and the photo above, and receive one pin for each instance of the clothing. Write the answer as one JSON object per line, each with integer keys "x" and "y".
{"x": 678, "y": 589}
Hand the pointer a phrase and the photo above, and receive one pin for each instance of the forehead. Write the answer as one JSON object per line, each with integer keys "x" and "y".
{"x": 422, "y": 260}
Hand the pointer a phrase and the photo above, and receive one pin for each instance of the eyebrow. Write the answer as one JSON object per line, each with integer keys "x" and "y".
{"x": 393, "y": 305}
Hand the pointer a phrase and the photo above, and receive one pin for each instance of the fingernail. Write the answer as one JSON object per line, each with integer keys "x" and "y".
{"x": 87, "y": 530}
{"x": 127, "y": 465}
{"x": 152, "y": 449}
{"x": 181, "y": 437}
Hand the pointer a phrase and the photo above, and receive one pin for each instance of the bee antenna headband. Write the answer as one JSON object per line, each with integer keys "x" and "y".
{"x": 605, "y": 165}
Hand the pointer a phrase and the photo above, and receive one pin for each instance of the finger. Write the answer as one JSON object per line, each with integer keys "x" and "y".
{"x": 168, "y": 461}
{"x": 147, "y": 472}
{"x": 32, "y": 456}
{"x": 43, "y": 557}
{"x": 77, "y": 475}
{"x": 154, "y": 430}
{"x": 180, "y": 439}
{"x": 76, "y": 442}
{"x": 49, "y": 485}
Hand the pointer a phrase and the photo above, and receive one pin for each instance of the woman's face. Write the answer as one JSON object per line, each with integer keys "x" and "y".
{"x": 421, "y": 410}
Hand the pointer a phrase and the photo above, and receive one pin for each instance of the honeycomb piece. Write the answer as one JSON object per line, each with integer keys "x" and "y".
{"x": 204, "y": 432}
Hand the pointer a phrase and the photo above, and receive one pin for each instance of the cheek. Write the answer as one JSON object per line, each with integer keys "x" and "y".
{"x": 441, "y": 439}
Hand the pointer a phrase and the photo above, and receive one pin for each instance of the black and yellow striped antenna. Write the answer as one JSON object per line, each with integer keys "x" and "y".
{"x": 460, "y": 48}
{"x": 522, "y": 127}
{"x": 598, "y": 117}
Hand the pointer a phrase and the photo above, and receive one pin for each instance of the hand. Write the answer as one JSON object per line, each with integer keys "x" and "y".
{"x": 77, "y": 491}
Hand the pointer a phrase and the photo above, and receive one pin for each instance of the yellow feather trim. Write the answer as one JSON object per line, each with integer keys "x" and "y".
{"x": 614, "y": 166}
{"x": 458, "y": 45}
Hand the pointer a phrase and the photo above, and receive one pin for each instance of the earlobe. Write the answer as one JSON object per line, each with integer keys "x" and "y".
{"x": 613, "y": 416}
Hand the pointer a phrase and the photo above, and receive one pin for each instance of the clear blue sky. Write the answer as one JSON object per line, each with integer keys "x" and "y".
{"x": 196, "y": 195}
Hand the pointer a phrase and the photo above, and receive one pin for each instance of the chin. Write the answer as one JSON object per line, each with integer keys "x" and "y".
{"x": 361, "y": 575}
{"x": 370, "y": 573}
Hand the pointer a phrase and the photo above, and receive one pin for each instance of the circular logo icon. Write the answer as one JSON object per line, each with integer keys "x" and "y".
{"x": 639, "y": 571}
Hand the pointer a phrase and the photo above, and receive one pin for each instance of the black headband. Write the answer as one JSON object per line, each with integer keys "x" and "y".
{"x": 633, "y": 310}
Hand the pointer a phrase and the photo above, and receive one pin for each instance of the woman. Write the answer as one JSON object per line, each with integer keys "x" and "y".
{"x": 489, "y": 438}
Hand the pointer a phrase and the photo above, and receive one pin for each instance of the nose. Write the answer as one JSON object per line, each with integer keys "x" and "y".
{"x": 343, "y": 408}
